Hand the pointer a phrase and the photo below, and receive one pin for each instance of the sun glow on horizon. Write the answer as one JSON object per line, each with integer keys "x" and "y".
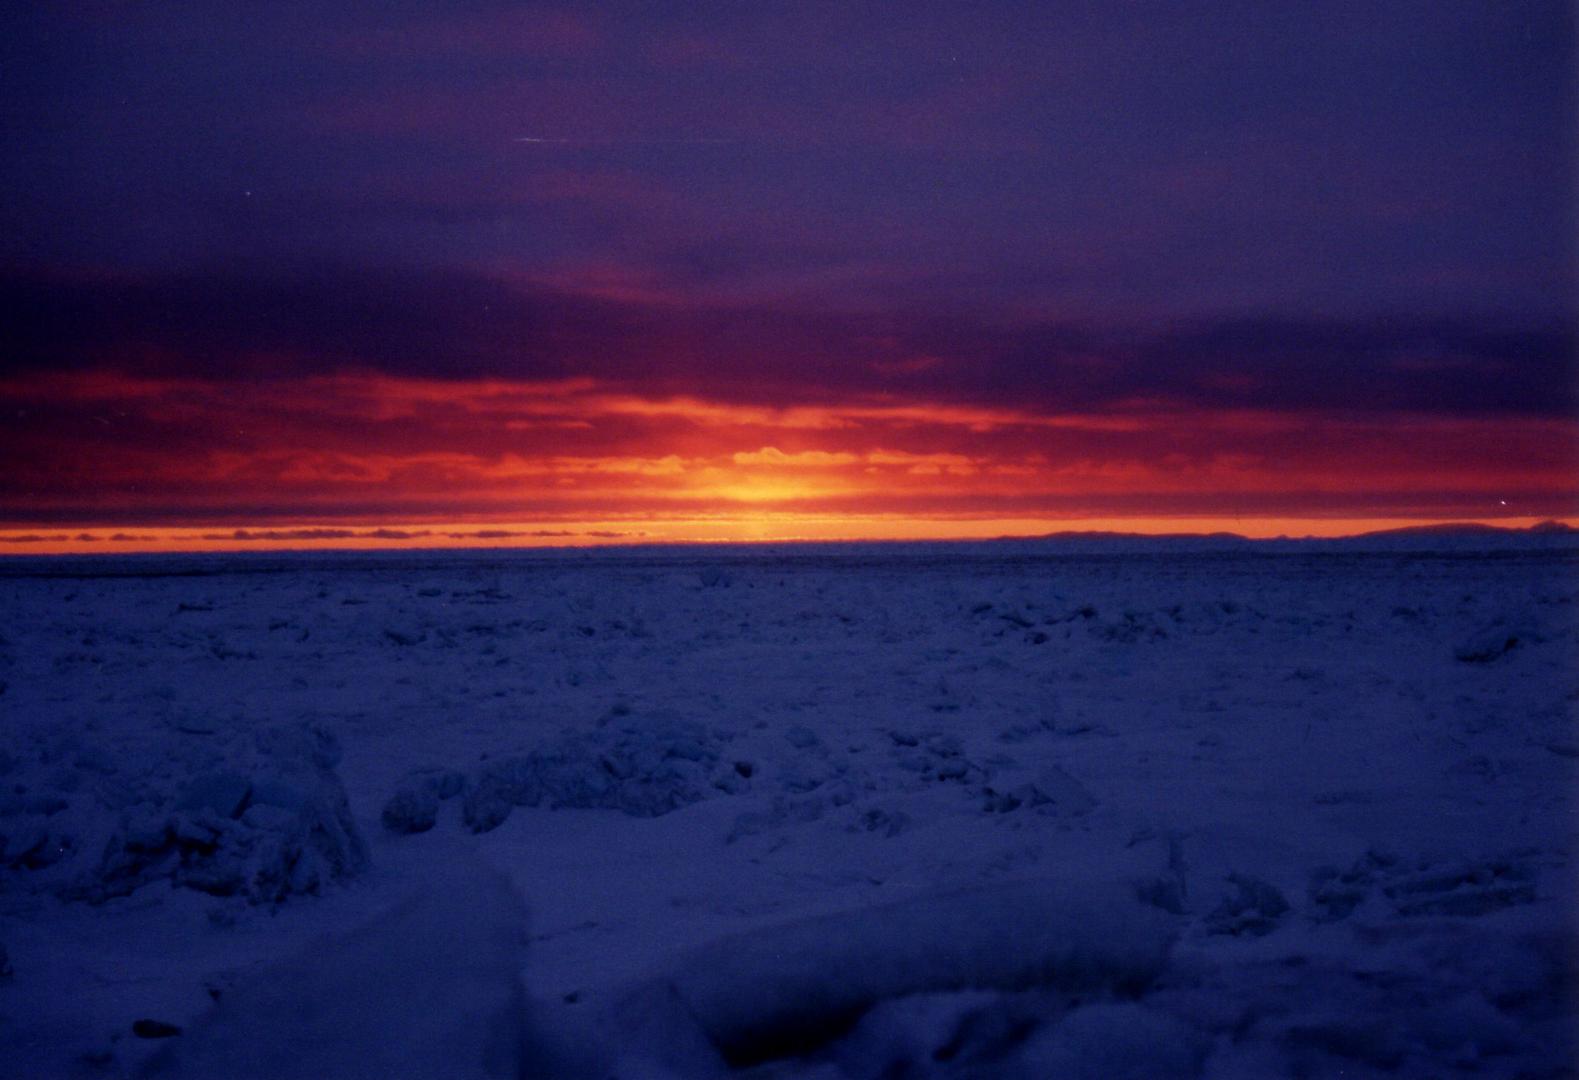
{"x": 723, "y": 528}
{"x": 348, "y": 460}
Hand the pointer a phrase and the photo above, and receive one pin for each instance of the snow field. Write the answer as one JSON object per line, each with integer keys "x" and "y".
{"x": 843, "y": 815}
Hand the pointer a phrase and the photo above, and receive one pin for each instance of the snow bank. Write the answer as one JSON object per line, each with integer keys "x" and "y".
{"x": 790, "y": 988}
{"x": 432, "y": 988}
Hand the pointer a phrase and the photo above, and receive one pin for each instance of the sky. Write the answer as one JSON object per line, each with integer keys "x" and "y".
{"x": 460, "y": 273}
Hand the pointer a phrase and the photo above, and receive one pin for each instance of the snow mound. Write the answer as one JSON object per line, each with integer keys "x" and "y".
{"x": 262, "y": 817}
{"x": 790, "y": 988}
{"x": 644, "y": 767}
{"x": 431, "y": 988}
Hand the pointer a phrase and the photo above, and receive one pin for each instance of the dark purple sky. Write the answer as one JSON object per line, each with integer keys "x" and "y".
{"x": 1306, "y": 209}
{"x": 1078, "y": 160}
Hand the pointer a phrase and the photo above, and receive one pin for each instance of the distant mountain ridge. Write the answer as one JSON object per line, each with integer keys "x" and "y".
{"x": 1547, "y": 527}
{"x": 1439, "y": 536}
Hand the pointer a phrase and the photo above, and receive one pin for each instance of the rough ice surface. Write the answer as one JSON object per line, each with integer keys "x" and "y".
{"x": 995, "y": 810}
{"x": 643, "y": 766}
{"x": 259, "y": 814}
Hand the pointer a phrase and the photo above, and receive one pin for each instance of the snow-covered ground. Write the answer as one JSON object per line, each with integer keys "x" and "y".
{"x": 926, "y": 810}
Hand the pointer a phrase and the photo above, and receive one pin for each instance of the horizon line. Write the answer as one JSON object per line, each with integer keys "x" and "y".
{"x": 45, "y": 541}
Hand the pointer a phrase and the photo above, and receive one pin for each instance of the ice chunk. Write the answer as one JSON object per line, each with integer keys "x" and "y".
{"x": 224, "y": 793}
{"x": 444, "y": 783}
{"x": 1053, "y": 792}
{"x": 647, "y": 766}
{"x": 270, "y": 788}
{"x": 273, "y": 820}
{"x": 307, "y": 743}
{"x": 1253, "y": 908}
{"x": 876, "y": 819}
{"x": 412, "y": 809}
{"x": 1463, "y": 889}
{"x": 486, "y": 804}
{"x": 1495, "y": 640}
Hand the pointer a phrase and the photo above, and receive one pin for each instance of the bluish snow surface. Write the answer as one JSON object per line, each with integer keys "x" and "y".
{"x": 917, "y": 810}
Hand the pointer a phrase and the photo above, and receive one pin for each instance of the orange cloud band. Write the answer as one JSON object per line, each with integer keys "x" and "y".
{"x": 108, "y": 449}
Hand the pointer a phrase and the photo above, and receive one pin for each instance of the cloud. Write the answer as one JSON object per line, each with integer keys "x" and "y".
{"x": 1431, "y": 366}
{"x": 250, "y": 325}
{"x": 323, "y": 533}
{"x": 276, "y": 535}
{"x": 368, "y": 400}
{"x": 284, "y": 534}
{"x": 536, "y": 534}
{"x": 1047, "y": 160}
{"x": 773, "y": 456}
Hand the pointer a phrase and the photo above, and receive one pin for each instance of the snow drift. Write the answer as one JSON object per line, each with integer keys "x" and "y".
{"x": 787, "y": 989}
{"x": 429, "y": 989}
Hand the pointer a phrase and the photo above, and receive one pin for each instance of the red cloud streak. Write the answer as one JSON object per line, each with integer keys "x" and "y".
{"x": 360, "y": 452}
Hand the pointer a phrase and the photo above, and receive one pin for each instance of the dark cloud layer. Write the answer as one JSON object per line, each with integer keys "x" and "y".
{"x": 316, "y": 535}
{"x": 226, "y": 325}
{"x": 1127, "y": 159}
{"x": 320, "y": 534}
